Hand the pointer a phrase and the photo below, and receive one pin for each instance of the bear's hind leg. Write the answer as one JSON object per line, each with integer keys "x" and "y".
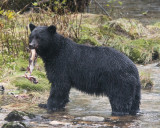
{"x": 125, "y": 96}
{"x": 120, "y": 105}
{"x": 136, "y": 101}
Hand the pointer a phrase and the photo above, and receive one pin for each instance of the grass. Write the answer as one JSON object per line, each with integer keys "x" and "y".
{"x": 126, "y": 35}
{"x": 23, "y": 83}
{"x": 14, "y": 71}
{"x": 157, "y": 25}
{"x": 146, "y": 81}
{"x": 129, "y": 36}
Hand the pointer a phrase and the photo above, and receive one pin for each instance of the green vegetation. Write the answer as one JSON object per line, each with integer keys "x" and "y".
{"x": 14, "y": 125}
{"x": 16, "y": 70}
{"x": 39, "y": 73}
{"x": 15, "y": 4}
{"x": 23, "y": 83}
{"x": 146, "y": 81}
{"x": 157, "y": 25}
{"x": 18, "y": 115}
{"x": 127, "y": 35}
{"x": 140, "y": 43}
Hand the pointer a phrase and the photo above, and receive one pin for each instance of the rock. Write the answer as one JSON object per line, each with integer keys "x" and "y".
{"x": 2, "y": 88}
{"x": 18, "y": 116}
{"x": 14, "y": 116}
{"x": 92, "y": 118}
{"x": 59, "y": 123}
{"x": 158, "y": 65}
{"x": 148, "y": 86}
{"x": 14, "y": 125}
{"x": 147, "y": 83}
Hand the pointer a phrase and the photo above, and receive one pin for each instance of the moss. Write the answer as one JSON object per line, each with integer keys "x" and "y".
{"x": 30, "y": 115}
{"x": 124, "y": 35}
{"x": 135, "y": 55}
{"x": 23, "y": 83}
{"x": 95, "y": 19}
{"x": 146, "y": 81}
{"x": 157, "y": 24}
{"x": 16, "y": 69}
{"x": 39, "y": 74}
{"x": 88, "y": 40}
{"x": 140, "y": 50}
{"x": 15, "y": 116}
{"x": 21, "y": 63}
{"x": 14, "y": 125}
{"x": 144, "y": 51}
{"x": 129, "y": 27}
{"x": 104, "y": 28}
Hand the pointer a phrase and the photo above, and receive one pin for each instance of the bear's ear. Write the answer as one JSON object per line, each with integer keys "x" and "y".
{"x": 52, "y": 29}
{"x": 31, "y": 26}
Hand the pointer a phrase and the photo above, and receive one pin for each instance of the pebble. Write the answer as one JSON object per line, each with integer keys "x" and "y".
{"x": 59, "y": 123}
{"x": 91, "y": 118}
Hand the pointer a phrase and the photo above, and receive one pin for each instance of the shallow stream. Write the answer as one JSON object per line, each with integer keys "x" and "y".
{"x": 92, "y": 112}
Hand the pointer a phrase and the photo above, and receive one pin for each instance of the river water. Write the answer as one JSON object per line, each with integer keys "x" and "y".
{"x": 127, "y": 8}
{"x": 91, "y": 112}
{"x": 83, "y": 105}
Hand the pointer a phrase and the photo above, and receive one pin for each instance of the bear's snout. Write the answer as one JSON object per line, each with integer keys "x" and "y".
{"x": 33, "y": 45}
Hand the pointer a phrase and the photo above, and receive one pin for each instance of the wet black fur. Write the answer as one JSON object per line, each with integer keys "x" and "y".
{"x": 93, "y": 70}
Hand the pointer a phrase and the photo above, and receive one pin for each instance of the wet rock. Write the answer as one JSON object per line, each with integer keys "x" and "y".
{"x": 147, "y": 83}
{"x": 18, "y": 116}
{"x": 43, "y": 125}
{"x": 14, "y": 116}
{"x": 91, "y": 118}
{"x": 59, "y": 123}
{"x": 14, "y": 125}
{"x": 2, "y": 89}
{"x": 148, "y": 86}
{"x": 158, "y": 65}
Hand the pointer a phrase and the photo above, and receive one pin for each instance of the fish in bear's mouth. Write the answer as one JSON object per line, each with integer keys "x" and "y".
{"x": 32, "y": 61}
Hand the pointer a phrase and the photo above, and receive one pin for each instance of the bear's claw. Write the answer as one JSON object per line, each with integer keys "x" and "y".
{"x": 50, "y": 110}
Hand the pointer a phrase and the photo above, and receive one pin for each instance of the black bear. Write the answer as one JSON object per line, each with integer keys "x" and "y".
{"x": 94, "y": 70}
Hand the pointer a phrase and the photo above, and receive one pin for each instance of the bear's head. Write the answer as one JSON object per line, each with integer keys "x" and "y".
{"x": 41, "y": 38}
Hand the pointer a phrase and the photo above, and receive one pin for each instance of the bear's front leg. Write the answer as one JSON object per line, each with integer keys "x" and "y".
{"x": 59, "y": 97}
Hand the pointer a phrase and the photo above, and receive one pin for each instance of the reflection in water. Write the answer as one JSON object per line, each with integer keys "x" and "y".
{"x": 84, "y": 105}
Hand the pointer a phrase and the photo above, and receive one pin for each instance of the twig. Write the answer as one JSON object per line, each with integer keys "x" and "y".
{"x": 102, "y": 8}
{"x": 23, "y": 9}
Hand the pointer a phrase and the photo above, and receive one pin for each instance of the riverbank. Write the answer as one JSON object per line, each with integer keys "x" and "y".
{"x": 141, "y": 43}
